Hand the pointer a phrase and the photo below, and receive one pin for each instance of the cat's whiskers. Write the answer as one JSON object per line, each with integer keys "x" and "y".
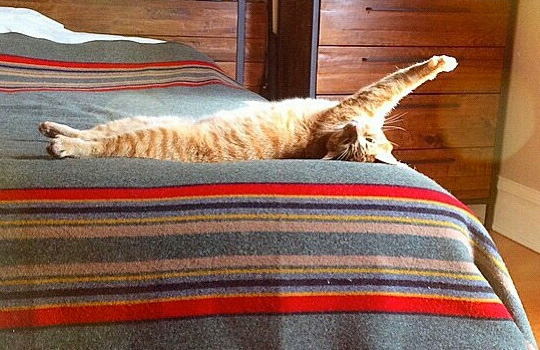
{"x": 345, "y": 154}
{"x": 393, "y": 121}
{"x": 392, "y": 127}
{"x": 389, "y": 123}
{"x": 355, "y": 152}
{"x": 395, "y": 118}
{"x": 342, "y": 156}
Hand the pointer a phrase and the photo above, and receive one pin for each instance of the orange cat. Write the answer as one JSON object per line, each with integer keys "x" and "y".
{"x": 295, "y": 128}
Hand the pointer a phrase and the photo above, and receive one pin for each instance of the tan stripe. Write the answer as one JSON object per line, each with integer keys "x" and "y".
{"x": 139, "y": 267}
{"x": 216, "y": 227}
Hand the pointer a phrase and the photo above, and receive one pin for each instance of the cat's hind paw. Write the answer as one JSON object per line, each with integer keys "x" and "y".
{"x": 443, "y": 63}
{"x": 66, "y": 147}
{"x": 48, "y": 129}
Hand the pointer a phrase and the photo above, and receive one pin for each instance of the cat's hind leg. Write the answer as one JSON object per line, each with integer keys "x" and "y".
{"x": 52, "y": 129}
{"x": 72, "y": 147}
{"x": 151, "y": 142}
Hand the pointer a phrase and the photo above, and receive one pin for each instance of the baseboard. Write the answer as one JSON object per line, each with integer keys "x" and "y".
{"x": 517, "y": 213}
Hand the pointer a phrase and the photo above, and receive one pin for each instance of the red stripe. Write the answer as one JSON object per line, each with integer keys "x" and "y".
{"x": 342, "y": 190}
{"x": 241, "y": 305}
{"x": 102, "y": 65}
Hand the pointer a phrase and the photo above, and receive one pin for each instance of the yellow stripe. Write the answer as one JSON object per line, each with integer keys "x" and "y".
{"x": 255, "y": 295}
{"x": 194, "y": 198}
{"x": 187, "y": 218}
{"x": 179, "y": 274}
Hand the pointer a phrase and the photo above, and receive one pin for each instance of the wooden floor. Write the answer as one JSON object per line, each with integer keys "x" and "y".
{"x": 524, "y": 267}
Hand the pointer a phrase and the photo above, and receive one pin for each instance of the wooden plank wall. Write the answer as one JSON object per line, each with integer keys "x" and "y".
{"x": 210, "y": 26}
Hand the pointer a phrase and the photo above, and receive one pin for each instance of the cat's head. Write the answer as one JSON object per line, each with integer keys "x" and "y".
{"x": 352, "y": 144}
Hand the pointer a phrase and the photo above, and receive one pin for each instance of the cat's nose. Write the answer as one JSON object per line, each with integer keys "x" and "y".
{"x": 355, "y": 124}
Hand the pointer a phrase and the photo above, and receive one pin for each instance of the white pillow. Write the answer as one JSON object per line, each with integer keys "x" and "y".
{"x": 34, "y": 24}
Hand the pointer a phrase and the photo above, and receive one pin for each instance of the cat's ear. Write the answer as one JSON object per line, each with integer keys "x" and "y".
{"x": 387, "y": 158}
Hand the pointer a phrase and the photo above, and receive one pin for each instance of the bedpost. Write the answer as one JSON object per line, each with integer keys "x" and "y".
{"x": 240, "y": 40}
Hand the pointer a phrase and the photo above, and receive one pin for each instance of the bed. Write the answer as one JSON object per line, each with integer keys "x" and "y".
{"x": 282, "y": 254}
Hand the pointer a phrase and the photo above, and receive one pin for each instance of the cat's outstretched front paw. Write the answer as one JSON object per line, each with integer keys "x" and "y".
{"x": 443, "y": 63}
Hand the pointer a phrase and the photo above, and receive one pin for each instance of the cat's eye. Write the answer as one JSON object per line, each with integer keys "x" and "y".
{"x": 370, "y": 139}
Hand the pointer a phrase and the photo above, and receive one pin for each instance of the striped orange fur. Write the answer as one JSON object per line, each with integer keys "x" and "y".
{"x": 351, "y": 129}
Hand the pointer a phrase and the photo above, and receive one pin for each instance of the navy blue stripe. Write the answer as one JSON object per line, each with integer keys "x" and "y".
{"x": 156, "y": 208}
{"x": 312, "y": 282}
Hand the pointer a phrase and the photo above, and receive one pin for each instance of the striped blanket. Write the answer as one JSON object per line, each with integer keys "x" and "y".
{"x": 295, "y": 254}
{"x": 31, "y": 74}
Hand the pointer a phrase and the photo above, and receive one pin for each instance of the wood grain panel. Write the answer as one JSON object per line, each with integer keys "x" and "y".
{"x": 222, "y": 49}
{"x": 445, "y": 121}
{"x": 466, "y": 172}
{"x": 459, "y": 187}
{"x": 414, "y": 22}
{"x": 151, "y": 17}
{"x": 343, "y": 70}
{"x": 254, "y": 74}
{"x": 442, "y": 121}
